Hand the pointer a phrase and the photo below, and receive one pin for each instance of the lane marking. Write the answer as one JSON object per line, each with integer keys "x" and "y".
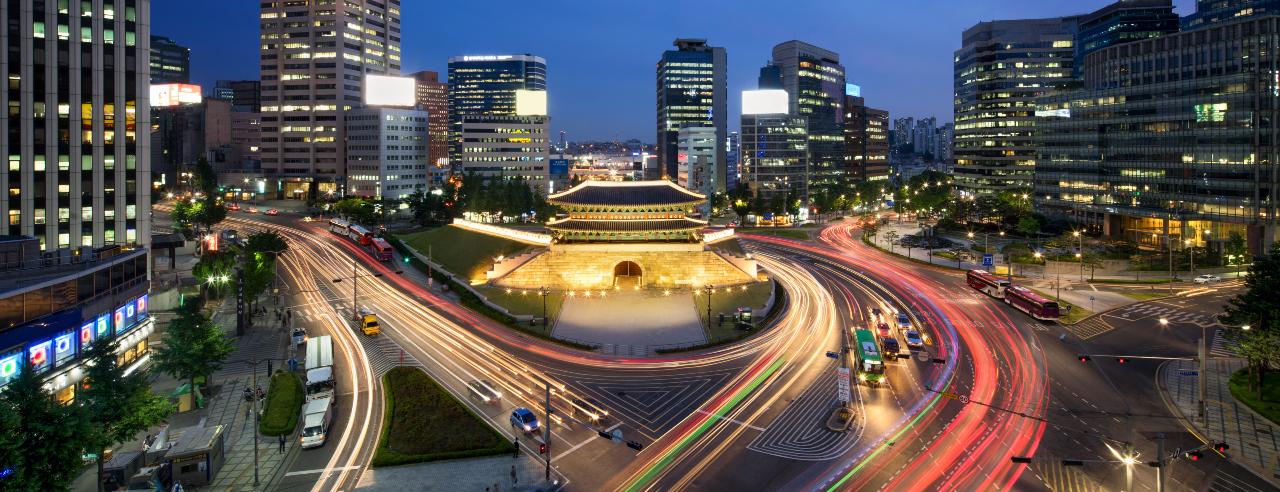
{"x": 317, "y": 470}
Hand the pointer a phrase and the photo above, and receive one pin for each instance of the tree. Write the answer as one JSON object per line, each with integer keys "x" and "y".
{"x": 267, "y": 243}
{"x": 891, "y": 237}
{"x": 1259, "y": 307}
{"x": 871, "y": 228}
{"x": 41, "y": 440}
{"x": 1259, "y": 349}
{"x": 215, "y": 268}
{"x": 117, "y": 406}
{"x": 1236, "y": 249}
{"x": 193, "y": 346}
{"x": 1028, "y": 225}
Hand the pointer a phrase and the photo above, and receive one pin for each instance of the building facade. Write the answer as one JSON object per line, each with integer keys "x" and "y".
{"x": 698, "y": 149}
{"x": 433, "y": 97}
{"x": 488, "y": 134}
{"x": 995, "y": 98}
{"x": 170, "y": 61}
{"x": 1122, "y": 22}
{"x": 1210, "y": 12}
{"x": 866, "y": 141}
{"x": 692, "y": 90}
{"x": 314, "y": 58}
{"x": 386, "y": 152}
{"x": 732, "y": 155}
{"x": 814, "y": 80}
{"x": 775, "y": 156}
{"x": 245, "y": 96}
{"x": 95, "y": 191}
{"x": 1170, "y": 140}
{"x": 505, "y": 147}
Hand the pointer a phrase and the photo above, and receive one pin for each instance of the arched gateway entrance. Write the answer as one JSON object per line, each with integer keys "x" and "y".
{"x": 626, "y": 274}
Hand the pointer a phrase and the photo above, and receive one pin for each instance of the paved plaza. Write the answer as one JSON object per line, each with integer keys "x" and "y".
{"x": 493, "y": 473}
{"x": 646, "y": 318}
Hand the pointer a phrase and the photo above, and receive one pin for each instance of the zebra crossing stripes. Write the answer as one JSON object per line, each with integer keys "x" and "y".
{"x": 1223, "y": 344}
{"x": 1089, "y": 328}
{"x": 798, "y": 433}
{"x": 385, "y": 354}
{"x": 1225, "y": 482}
{"x": 1059, "y": 477}
{"x": 1159, "y": 310}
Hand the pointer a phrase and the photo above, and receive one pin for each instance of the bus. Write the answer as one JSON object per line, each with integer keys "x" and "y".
{"x": 870, "y": 365}
{"x": 987, "y": 283}
{"x": 339, "y": 226}
{"x": 381, "y": 249}
{"x": 360, "y": 235}
{"x": 1023, "y": 299}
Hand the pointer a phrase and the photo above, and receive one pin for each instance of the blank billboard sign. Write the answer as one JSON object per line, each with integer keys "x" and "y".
{"x": 766, "y": 101}
{"x": 383, "y": 90}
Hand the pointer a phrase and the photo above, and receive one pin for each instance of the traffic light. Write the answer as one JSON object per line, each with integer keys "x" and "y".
{"x": 1084, "y": 358}
{"x": 635, "y": 445}
{"x": 604, "y": 435}
{"x": 1221, "y": 447}
{"x": 1121, "y": 360}
{"x": 1193, "y": 455}
{"x": 1072, "y": 463}
{"x": 1020, "y": 459}
{"x": 406, "y": 259}
{"x": 542, "y": 448}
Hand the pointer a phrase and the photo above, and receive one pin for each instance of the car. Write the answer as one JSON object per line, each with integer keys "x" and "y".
{"x": 889, "y": 346}
{"x": 882, "y": 330}
{"x": 876, "y": 314}
{"x": 588, "y": 409}
{"x": 913, "y": 339}
{"x": 1207, "y": 278}
{"x": 484, "y": 390}
{"x": 252, "y": 210}
{"x": 272, "y": 212}
{"x": 523, "y": 419}
{"x": 903, "y": 321}
{"x": 299, "y": 336}
{"x": 233, "y": 207}
{"x": 308, "y": 219}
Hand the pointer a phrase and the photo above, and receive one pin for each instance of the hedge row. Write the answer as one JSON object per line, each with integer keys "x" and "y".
{"x": 424, "y": 422}
{"x": 284, "y": 404}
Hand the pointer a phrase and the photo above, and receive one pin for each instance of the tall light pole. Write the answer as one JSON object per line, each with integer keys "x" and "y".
{"x": 709, "y": 290}
{"x": 1191, "y": 256}
{"x": 542, "y": 292}
{"x": 1080, "y": 253}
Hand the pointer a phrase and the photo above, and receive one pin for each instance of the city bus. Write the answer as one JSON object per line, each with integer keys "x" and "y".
{"x": 381, "y": 249}
{"x": 339, "y": 227}
{"x": 987, "y": 283}
{"x": 870, "y": 365}
{"x": 1023, "y": 299}
{"x": 360, "y": 235}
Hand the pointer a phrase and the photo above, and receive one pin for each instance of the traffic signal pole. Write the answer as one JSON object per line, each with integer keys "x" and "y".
{"x": 546, "y": 429}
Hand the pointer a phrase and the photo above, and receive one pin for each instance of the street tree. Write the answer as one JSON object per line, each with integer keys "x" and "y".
{"x": 1259, "y": 307}
{"x": 117, "y": 406}
{"x": 1028, "y": 225}
{"x": 1236, "y": 248}
{"x": 193, "y": 347}
{"x": 891, "y": 237}
{"x": 216, "y": 269}
{"x": 1260, "y": 349}
{"x": 41, "y": 440}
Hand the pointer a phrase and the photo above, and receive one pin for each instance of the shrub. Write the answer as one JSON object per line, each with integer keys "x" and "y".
{"x": 424, "y": 422}
{"x": 284, "y": 404}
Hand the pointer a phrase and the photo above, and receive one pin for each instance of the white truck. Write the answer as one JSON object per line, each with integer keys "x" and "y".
{"x": 317, "y": 416}
{"x": 320, "y": 378}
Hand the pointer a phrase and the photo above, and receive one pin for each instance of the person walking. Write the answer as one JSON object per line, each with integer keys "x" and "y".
{"x": 281, "y": 443}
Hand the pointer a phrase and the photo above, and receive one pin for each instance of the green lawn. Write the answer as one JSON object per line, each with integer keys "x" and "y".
{"x": 800, "y": 234}
{"x": 1144, "y": 296}
{"x": 523, "y": 301}
{"x": 755, "y": 295}
{"x": 464, "y": 253}
{"x": 1077, "y": 313}
{"x": 1269, "y": 405}
{"x": 284, "y": 403}
{"x": 424, "y": 422}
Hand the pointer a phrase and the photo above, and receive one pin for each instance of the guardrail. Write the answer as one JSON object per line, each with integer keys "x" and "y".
{"x": 526, "y": 237}
{"x": 717, "y": 236}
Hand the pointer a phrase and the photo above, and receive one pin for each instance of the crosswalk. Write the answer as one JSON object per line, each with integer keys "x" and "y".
{"x": 1090, "y": 328}
{"x": 1223, "y": 344}
{"x": 1159, "y": 310}
{"x": 1058, "y": 477}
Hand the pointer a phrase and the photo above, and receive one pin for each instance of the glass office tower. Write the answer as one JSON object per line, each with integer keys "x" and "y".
{"x": 692, "y": 90}
{"x": 814, "y": 80}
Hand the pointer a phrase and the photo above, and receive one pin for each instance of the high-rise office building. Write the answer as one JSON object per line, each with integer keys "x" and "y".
{"x": 924, "y": 138}
{"x": 433, "y": 97}
{"x": 698, "y": 149}
{"x": 995, "y": 98}
{"x": 866, "y": 140}
{"x": 170, "y": 61}
{"x": 775, "y": 147}
{"x": 902, "y": 128}
{"x": 946, "y": 133}
{"x": 1166, "y": 145}
{"x": 97, "y": 191}
{"x": 732, "y": 153}
{"x": 244, "y": 95}
{"x": 1210, "y": 12}
{"x": 386, "y": 152}
{"x": 692, "y": 90}
{"x": 814, "y": 80}
{"x": 498, "y": 124}
{"x": 1122, "y": 22}
{"x": 314, "y": 59}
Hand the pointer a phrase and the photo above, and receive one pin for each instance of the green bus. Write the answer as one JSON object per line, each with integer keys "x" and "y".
{"x": 870, "y": 366}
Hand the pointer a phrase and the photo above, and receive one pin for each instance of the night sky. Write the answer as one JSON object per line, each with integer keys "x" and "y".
{"x": 601, "y": 54}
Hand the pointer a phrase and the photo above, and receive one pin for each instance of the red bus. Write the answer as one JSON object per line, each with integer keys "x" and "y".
{"x": 1023, "y": 299}
{"x": 360, "y": 235}
{"x": 339, "y": 226}
{"x": 381, "y": 249}
{"x": 987, "y": 283}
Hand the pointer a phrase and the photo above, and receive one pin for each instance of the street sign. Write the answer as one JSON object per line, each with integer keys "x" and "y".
{"x": 1188, "y": 373}
{"x": 844, "y": 392}
{"x": 617, "y": 435}
{"x": 988, "y": 259}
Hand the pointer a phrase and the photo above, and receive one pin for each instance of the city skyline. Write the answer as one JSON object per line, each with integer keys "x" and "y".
{"x": 615, "y": 68}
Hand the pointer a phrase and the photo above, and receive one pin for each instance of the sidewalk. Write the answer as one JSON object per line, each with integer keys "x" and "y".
{"x": 491, "y": 473}
{"x": 1253, "y": 439}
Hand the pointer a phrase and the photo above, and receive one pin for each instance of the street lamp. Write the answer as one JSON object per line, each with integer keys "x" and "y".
{"x": 1080, "y": 254}
{"x": 542, "y": 292}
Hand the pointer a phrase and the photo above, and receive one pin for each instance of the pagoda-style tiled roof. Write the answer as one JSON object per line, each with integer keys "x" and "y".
{"x": 626, "y": 194}
{"x": 643, "y": 225}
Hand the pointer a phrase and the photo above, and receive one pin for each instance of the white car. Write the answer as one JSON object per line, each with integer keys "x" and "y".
{"x": 1207, "y": 278}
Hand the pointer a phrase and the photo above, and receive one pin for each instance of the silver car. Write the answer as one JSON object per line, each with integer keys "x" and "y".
{"x": 1207, "y": 278}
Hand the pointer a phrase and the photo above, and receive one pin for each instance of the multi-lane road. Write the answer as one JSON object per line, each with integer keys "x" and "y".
{"x": 988, "y": 385}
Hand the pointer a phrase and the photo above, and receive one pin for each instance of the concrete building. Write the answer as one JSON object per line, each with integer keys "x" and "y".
{"x": 924, "y": 138}
{"x": 1165, "y": 143}
{"x": 433, "y": 97}
{"x": 178, "y": 140}
{"x": 505, "y": 147}
{"x": 170, "y": 61}
{"x": 866, "y": 140}
{"x": 314, "y": 59}
{"x": 698, "y": 149}
{"x": 1122, "y": 22}
{"x": 77, "y": 177}
{"x": 995, "y": 100}
{"x": 692, "y": 90}
{"x": 732, "y": 153}
{"x": 814, "y": 80}
{"x": 1210, "y": 12}
{"x": 943, "y": 151}
{"x": 775, "y": 150}
{"x": 386, "y": 152}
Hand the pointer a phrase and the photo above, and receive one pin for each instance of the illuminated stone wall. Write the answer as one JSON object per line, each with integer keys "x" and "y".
{"x": 592, "y": 268}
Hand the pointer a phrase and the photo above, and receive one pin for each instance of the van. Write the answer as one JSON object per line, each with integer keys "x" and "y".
{"x": 317, "y": 416}
{"x": 369, "y": 323}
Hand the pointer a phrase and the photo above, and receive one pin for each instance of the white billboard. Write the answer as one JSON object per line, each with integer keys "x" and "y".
{"x": 383, "y": 90}
{"x": 167, "y": 95}
{"x": 531, "y": 103}
{"x": 764, "y": 101}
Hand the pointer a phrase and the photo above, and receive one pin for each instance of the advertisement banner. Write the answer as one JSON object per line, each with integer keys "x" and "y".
{"x": 64, "y": 348}
{"x": 10, "y": 364}
{"x": 843, "y": 389}
{"x": 39, "y": 358}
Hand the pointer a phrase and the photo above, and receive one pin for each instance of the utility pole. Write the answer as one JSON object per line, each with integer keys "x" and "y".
{"x": 1160, "y": 462}
{"x": 355, "y": 289}
{"x": 542, "y": 292}
{"x": 256, "y": 422}
{"x": 546, "y": 430}
{"x": 1204, "y": 354}
{"x": 429, "y": 260}
{"x": 710, "y": 290}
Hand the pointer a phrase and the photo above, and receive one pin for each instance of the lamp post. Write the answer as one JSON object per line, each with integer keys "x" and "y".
{"x": 355, "y": 292}
{"x": 709, "y": 290}
{"x": 1191, "y": 256}
{"x": 542, "y": 292}
{"x": 1080, "y": 253}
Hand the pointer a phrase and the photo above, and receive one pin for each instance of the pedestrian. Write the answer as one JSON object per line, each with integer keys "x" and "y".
{"x": 281, "y": 443}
